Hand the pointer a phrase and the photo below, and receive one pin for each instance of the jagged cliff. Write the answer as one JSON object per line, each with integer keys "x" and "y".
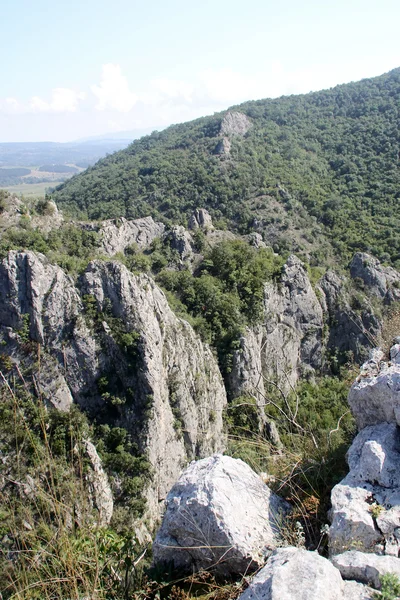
{"x": 109, "y": 341}
{"x": 172, "y": 395}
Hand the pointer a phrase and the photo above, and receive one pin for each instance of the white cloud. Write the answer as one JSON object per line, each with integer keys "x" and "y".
{"x": 113, "y": 91}
{"x": 62, "y": 100}
{"x": 173, "y": 88}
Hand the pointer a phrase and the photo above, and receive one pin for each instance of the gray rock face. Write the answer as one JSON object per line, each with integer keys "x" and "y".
{"x": 349, "y": 331}
{"x": 181, "y": 241}
{"x": 117, "y": 234}
{"x": 382, "y": 281}
{"x": 366, "y": 503}
{"x": 201, "y": 219}
{"x": 221, "y": 516}
{"x": 235, "y": 123}
{"x": 174, "y": 369}
{"x": 366, "y": 568}
{"x": 41, "y": 300}
{"x": 296, "y": 574}
{"x": 223, "y": 147}
{"x": 375, "y": 395}
{"x": 176, "y": 393}
{"x": 99, "y": 485}
{"x": 290, "y": 338}
{"x": 255, "y": 239}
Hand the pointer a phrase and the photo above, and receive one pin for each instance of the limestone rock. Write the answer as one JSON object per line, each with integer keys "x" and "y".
{"x": 117, "y": 234}
{"x": 382, "y": 281}
{"x": 100, "y": 487}
{"x": 375, "y": 395}
{"x": 366, "y": 568}
{"x": 181, "y": 241}
{"x": 235, "y": 123}
{"x": 173, "y": 371}
{"x": 223, "y": 147}
{"x": 172, "y": 380}
{"x": 349, "y": 331}
{"x": 289, "y": 339}
{"x": 296, "y": 574}
{"x": 366, "y": 503}
{"x": 201, "y": 219}
{"x": 255, "y": 239}
{"x": 39, "y": 299}
{"x": 219, "y": 515}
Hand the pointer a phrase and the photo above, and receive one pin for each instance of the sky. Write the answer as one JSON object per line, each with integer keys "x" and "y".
{"x": 71, "y": 70}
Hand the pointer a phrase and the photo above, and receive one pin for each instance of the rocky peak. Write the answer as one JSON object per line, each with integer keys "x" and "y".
{"x": 235, "y": 123}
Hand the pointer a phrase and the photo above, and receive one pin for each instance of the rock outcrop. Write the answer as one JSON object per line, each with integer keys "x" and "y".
{"x": 350, "y": 331}
{"x": 181, "y": 240}
{"x": 381, "y": 281}
{"x": 365, "y": 505}
{"x": 173, "y": 394}
{"x": 288, "y": 342}
{"x": 99, "y": 484}
{"x": 220, "y": 516}
{"x": 235, "y": 123}
{"x": 201, "y": 219}
{"x": 115, "y": 235}
{"x": 173, "y": 368}
{"x": 296, "y": 574}
{"x": 375, "y": 396}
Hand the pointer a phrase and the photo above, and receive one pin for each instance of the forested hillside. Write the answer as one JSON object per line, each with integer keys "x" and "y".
{"x": 332, "y": 155}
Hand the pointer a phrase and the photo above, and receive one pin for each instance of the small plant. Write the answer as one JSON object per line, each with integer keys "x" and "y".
{"x": 390, "y": 587}
{"x": 376, "y": 510}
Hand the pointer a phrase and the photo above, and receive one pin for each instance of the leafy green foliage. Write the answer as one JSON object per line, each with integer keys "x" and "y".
{"x": 226, "y": 294}
{"x": 70, "y": 247}
{"x": 333, "y": 153}
{"x": 390, "y": 587}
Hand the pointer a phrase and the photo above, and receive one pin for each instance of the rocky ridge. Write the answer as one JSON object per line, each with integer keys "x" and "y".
{"x": 202, "y": 517}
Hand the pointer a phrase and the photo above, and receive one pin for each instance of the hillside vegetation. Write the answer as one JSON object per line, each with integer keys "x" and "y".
{"x": 331, "y": 157}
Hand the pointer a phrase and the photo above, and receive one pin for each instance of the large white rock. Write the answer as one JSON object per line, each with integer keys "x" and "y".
{"x": 365, "y": 567}
{"x": 375, "y": 395}
{"x": 366, "y": 504}
{"x": 220, "y": 515}
{"x": 296, "y": 574}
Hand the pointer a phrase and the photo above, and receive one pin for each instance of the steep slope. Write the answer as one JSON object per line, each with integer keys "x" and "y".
{"x": 329, "y": 160}
{"x": 112, "y": 344}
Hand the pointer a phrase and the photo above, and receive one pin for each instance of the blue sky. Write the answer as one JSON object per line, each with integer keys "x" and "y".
{"x": 75, "y": 69}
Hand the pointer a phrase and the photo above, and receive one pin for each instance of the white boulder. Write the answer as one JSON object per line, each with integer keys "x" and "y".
{"x": 296, "y": 574}
{"x": 375, "y": 395}
{"x": 220, "y": 515}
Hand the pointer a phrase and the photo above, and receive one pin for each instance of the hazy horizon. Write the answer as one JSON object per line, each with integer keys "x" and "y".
{"x": 80, "y": 71}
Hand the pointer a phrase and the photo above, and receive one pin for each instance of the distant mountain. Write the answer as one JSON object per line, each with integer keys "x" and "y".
{"x": 29, "y": 154}
{"x": 131, "y": 135}
{"x": 328, "y": 159}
